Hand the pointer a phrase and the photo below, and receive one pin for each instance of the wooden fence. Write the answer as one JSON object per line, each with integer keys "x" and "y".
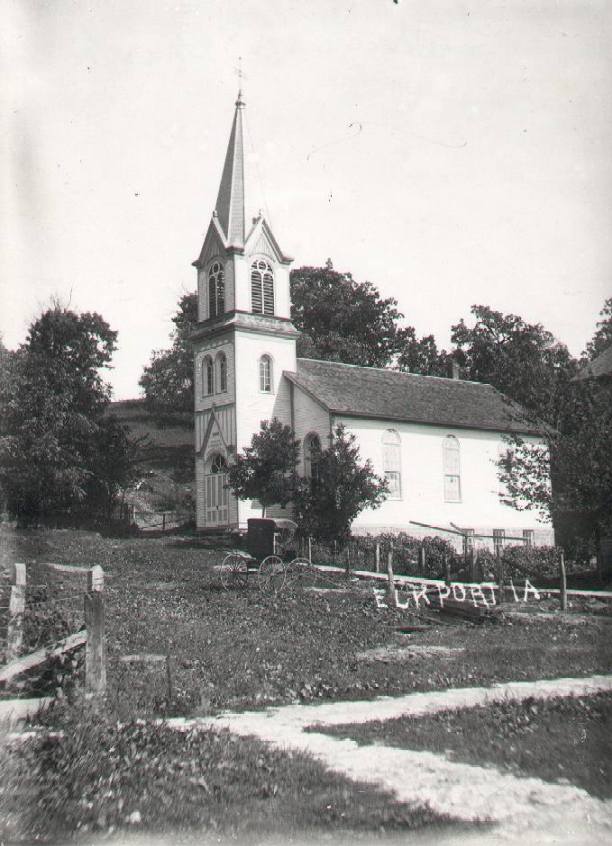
{"x": 40, "y": 602}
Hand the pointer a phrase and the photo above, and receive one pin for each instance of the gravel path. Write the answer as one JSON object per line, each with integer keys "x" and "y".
{"x": 522, "y": 808}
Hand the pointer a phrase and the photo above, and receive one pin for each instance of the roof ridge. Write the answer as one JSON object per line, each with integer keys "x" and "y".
{"x": 398, "y": 372}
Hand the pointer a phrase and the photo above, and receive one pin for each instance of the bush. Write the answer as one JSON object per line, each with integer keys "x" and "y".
{"x": 531, "y": 562}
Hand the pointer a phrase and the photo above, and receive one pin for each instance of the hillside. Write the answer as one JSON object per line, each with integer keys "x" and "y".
{"x": 164, "y": 459}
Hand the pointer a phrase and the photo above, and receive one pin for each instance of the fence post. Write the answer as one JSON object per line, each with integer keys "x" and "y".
{"x": 163, "y": 521}
{"x": 377, "y": 559}
{"x": 422, "y": 559}
{"x": 95, "y": 649}
{"x": 14, "y": 634}
{"x": 563, "y": 579}
{"x": 309, "y": 549}
{"x": 447, "y": 571}
{"x": 347, "y": 563}
{"x": 391, "y": 586}
{"x": 500, "y": 574}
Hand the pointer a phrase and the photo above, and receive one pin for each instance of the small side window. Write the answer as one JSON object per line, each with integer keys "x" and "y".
{"x": 208, "y": 376}
{"x": 265, "y": 374}
{"x": 222, "y": 370}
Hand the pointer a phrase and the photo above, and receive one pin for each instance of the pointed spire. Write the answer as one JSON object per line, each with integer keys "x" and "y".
{"x": 230, "y": 200}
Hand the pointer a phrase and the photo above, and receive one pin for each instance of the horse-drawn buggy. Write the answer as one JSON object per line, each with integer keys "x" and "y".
{"x": 269, "y": 557}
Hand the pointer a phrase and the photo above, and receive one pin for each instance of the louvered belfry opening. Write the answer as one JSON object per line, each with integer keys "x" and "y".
{"x": 262, "y": 287}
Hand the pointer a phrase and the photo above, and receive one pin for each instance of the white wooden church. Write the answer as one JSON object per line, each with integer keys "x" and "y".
{"x": 435, "y": 440}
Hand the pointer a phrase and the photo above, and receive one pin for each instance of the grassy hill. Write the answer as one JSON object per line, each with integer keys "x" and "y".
{"x": 165, "y": 460}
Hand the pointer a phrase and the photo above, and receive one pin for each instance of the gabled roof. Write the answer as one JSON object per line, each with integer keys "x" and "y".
{"x": 600, "y": 366}
{"x": 346, "y": 389}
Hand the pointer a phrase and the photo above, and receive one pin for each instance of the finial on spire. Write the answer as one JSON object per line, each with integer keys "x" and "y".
{"x": 241, "y": 75}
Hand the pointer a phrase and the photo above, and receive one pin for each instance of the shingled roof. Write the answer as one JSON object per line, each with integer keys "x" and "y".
{"x": 346, "y": 389}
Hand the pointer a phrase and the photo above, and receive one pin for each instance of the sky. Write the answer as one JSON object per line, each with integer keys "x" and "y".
{"x": 452, "y": 153}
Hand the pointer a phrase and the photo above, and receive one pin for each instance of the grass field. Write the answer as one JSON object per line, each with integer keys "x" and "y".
{"x": 567, "y": 739}
{"x": 245, "y": 648}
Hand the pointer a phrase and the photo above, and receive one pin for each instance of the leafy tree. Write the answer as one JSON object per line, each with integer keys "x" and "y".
{"x": 343, "y": 320}
{"x": 59, "y": 451}
{"x": 602, "y": 338}
{"x": 167, "y": 381}
{"x": 342, "y": 488}
{"x": 570, "y": 479}
{"x": 422, "y": 355}
{"x": 266, "y": 470}
{"x": 523, "y": 360}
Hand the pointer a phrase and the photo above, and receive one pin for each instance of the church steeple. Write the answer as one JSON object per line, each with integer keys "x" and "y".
{"x": 230, "y": 200}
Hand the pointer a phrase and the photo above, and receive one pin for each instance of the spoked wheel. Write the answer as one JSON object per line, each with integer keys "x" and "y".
{"x": 301, "y": 573}
{"x": 271, "y": 574}
{"x": 234, "y": 571}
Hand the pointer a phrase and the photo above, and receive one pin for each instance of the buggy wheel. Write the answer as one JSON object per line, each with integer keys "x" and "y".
{"x": 271, "y": 574}
{"x": 301, "y": 573}
{"x": 234, "y": 571}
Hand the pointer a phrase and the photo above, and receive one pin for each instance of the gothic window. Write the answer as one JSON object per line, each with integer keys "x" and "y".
{"x": 452, "y": 469}
{"x": 222, "y": 371}
{"x": 262, "y": 287}
{"x": 392, "y": 462}
{"x": 312, "y": 456}
{"x": 265, "y": 374}
{"x": 216, "y": 289}
{"x": 208, "y": 376}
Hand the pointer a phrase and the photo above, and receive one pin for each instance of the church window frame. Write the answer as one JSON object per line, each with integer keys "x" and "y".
{"x": 222, "y": 373}
{"x": 312, "y": 457}
{"x": 265, "y": 374}
{"x": 262, "y": 287}
{"x": 216, "y": 288}
{"x": 392, "y": 462}
{"x": 208, "y": 376}
{"x": 451, "y": 458}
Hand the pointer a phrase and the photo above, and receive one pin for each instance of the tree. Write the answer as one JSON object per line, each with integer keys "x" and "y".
{"x": 522, "y": 360}
{"x": 343, "y": 320}
{"x": 602, "y": 338}
{"x": 422, "y": 355}
{"x": 267, "y": 470}
{"x": 342, "y": 488}
{"x": 55, "y": 434}
{"x": 167, "y": 381}
{"x": 570, "y": 479}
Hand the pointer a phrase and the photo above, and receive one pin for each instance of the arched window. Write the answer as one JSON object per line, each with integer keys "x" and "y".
{"x": 216, "y": 289}
{"x": 208, "y": 376}
{"x": 392, "y": 462}
{"x": 222, "y": 371}
{"x": 265, "y": 374}
{"x": 262, "y": 287}
{"x": 452, "y": 469}
{"x": 218, "y": 464}
{"x": 312, "y": 456}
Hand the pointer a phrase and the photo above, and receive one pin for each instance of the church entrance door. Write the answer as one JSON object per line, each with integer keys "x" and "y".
{"x": 217, "y": 495}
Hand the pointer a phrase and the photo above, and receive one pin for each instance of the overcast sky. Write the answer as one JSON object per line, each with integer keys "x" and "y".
{"x": 450, "y": 152}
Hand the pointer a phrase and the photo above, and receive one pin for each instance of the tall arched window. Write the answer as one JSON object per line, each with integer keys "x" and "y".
{"x": 208, "y": 376}
{"x": 265, "y": 374}
{"x": 262, "y": 287}
{"x": 216, "y": 289}
{"x": 312, "y": 456}
{"x": 392, "y": 462}
{"x": 452, "y": 469}
{"x": 222, "y": 371}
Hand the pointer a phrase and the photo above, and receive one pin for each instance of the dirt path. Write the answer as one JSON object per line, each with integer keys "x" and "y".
{"x": 525, "y": 808}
